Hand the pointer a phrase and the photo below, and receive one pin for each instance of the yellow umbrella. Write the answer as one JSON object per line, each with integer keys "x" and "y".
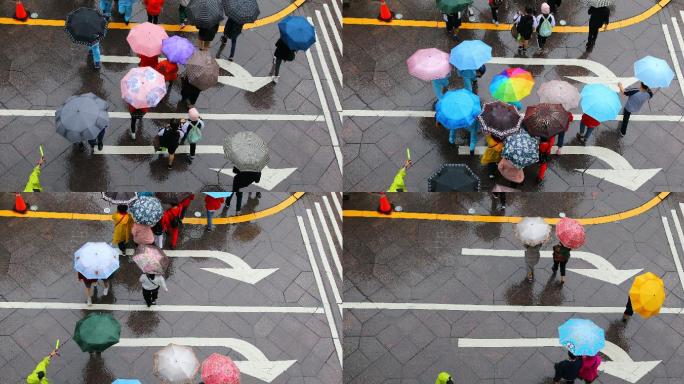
{"x": 647, "y": 294}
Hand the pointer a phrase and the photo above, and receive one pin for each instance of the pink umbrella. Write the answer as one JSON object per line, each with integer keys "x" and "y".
{"x": 146, "y": 39}
{"x": 570, "y": 233}
{"x": 429, "y": 64}
{"x": 143, "y": 87}
{"x": 510, "y": 172}
{"x": 150, "y": 259}
{"x": 219, "y": 369}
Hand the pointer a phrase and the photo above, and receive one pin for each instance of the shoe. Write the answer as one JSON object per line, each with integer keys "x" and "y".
{"x": 210, "y": 228}
{"x": 81, "y": 147}
{"x": 554, "y": 272}
{"x": 492, "y": 177}
{"x": 170, "y": 166}
{"x": 126, "y": 22}
{"x": 105, "y": 291}
{"x": 530, "y": 277}
{"x": 89, "y": 302}
{"x": 558, "y": 152}
{"x": 274, "y": 79}
{"x": 622, "y": 134}
{"x": 625, "y": 318}
{"x": 230, "y": 59}
{"x": 562, "y": 280}
{"x": 190, "y": 159}
{"x": 581, "y": 139}
{"x": 182, "y": 25}
{"x": 97, "y": 65}
{"x": 503, "y": 207}
{"x": 224, "y": 39}
{"x": 132, "y": 134}
{"x": 100, "y": 145}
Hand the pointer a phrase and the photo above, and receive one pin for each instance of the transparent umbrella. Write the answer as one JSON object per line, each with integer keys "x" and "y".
{"x": 176, "y": 364}
{"x": 533, "y": 231}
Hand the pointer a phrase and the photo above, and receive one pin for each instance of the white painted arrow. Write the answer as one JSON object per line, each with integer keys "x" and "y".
{"x": 256, "y": 364}
{"x": 605, "y": 271}
{"x": 270, "y": 177}
{"x": 621, "y": 365}
{"x": 239, "y": 270}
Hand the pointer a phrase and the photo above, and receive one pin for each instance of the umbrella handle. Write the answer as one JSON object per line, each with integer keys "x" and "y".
{"x": 218, "y": 173}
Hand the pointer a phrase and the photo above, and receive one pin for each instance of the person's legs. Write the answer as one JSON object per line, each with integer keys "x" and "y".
{"x": 126, "y": 11}
{"x": 174, "y": 237}
{"x": 562, "y": 268}
{"x": 193, "y": 148}
{"x": 541, "y": 40}
{"x": 149, "y": 18}
{"x": 233, "y": 45}
{"x": 491, "y": 169}
{"x": 133, "y": 121}
{"x": 555, "y": 267}
{"x": 468, "y": 83}
{"x": 88, "y": 293}
{"x": 182, "y": 15}
{"x": 154, "y": 294}
{"x": 629, "y": 311}
{"x": 171, "y": 157}
{"x": 159, "y": 240}
{"x": 593, "y": 34}
{"x": 495, "y": 16}
{"x": 105, "y": 287}
{"x": 589, "y": 132}
{"x": 238, "y": 203}
{"x": 625, "y": 120}
{"x": 95, "y": 50}
{"x": 452, "y": 136}
{"x": 147, "y": 296}
{"x": 559, "y": 142}
{"x": 155, "y": 19}
{"x": 542, "y": 171}
{"x": 276, "y": 69}
{"x": 122, "y": 247}
{"x": 210, "y": 223}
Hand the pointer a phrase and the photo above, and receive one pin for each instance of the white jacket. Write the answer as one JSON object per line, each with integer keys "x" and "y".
{"x": 153, "y": 284}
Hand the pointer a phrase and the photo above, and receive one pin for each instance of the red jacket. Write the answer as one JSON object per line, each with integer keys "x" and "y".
{"x": 167, "y": 219}
{"x": 146, "y": 61}
{"x": 590, "y": 121}
{"x": 168, "y": 69}
{"x": 154, "y": 7}
{"x": 212, "y": 204}
{"x": 132, "y": 109}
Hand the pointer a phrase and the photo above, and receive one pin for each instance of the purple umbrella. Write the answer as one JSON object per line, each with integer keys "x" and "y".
{"x": 177, "y": 49}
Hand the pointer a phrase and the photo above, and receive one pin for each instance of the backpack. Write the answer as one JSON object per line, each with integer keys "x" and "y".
{"x": 545, "y": 28}
{"x": 194, "y": 133}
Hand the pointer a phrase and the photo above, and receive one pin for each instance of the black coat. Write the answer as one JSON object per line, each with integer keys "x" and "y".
{"x": 232, "y": 29}
{"x": 243, "y": 179}
{"x": 283, "y": 52}
{"x": 599, "y": 17}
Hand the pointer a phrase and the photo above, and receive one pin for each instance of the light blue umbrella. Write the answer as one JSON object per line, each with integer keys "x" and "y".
{"x": 96, "y": 260}
{"x": 654, "y": 72}
{"x": 582, "y": 337}
{"x": 521, "y": 149}
{"x": 126, "y": 381}
{"x": 297, "y": 33}
{"x": 219, "y": 195}
{"x": 458, "y": 109}
{"x": 600, "y": 102}
{"x": 470, "y": 54}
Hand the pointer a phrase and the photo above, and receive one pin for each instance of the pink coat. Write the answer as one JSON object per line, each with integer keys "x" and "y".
{"x": 142, "y": 234}
{"x": 589, "y": 370}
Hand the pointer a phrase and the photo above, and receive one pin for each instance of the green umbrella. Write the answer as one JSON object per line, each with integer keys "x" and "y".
{"x": 453, "y": 6}
{"x": 97, "y": 332}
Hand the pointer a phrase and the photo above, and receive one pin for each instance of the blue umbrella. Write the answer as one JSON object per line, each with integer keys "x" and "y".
{"x": 654, "y": 72}
{"x": 219, "y": 195}
{"x": 96, "y": 260}
{"x": 458, "y": 109}
{"x": 470, "y": 54}
{"x": 600, "y": 102}
{"x": 582, "y": 337}
{"x": 126, "y": 381}
{"x": 297, "y": 33}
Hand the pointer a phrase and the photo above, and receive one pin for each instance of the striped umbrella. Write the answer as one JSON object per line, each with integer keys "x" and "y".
{"x": 202, "y": 70}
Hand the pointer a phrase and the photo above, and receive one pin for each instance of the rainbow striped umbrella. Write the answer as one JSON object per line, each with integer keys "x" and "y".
{"x": 513, "y": 84}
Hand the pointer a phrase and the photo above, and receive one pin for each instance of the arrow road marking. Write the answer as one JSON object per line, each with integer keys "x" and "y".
{"x": 621, "y": 365}
{"x": 605, "y": 271}
{"x": 270, "y": 177}
{"x": 256, "y": 364}
{"x": 239, "y": 270}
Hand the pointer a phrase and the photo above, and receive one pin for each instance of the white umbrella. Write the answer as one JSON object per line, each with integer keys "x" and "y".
{"x": 533, "y": 231}
{"x": 176, "y": 364}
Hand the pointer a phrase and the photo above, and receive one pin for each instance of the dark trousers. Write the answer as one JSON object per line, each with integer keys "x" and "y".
{"x": 152, "y": 19}
{"x": 134, "y": 119}
{"x": 541, "y": 40}
{"x": 100, "y": 137}
{"x": 122, "y": 246}
{"x": 628, "y": 308}
{"x": 276, "y": 62}
{"x": 492, "y": 168}
{"x": 593, "y": 34}
{"x": 560, "y": 140}
{"x": 233, "y": 44}
{"x": 189, "y": 92}
{"x": 625, "y": 120}
{"x": 193, "y": 146}
{"x": 150, "y": 296}
{"x": 182, "y": 14}
{"x": 238, "y": 205}
{"x": 501, "y": 196}
{"x": 495, "y": 15}
{"x": 562, "y": 267}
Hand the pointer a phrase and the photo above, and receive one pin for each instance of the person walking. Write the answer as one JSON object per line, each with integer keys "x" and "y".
{"x": 588, "y": 124}
{"x": 636, "y": 98}
{"x": 126, "y": 9}
{"x": 123, "y": 224}
{"x": 39, "y": 374}
{"x": 189, "y": 93}
{"x": 545, "y": 146}
{"x": 170, "y": 137}
{"x": 242, "y": 179}
{"x": 494, "y": 7}
{"x": 561, "y": 255}
{"x": 142, "y": 234}
{"x": 192, "y": 131}
{"x": 598, "y": 17}
{"x": 532, "y": 256}
{"x": 106, "y": 8}
{"x": 96, "y": 141}
{"x": 169, "y": 69}
{"x": 150, "y": 287}
{"x": 545, "y": 22}
{"x": 212, "y": 205}
{"x": 444, "y": 378}
{"x": 90, "y": 290}
{"x": 153, "y": 8}
{"x": 567, "y": 371}
{"x": 492, "y": 155}
{"x": 589, "y": 370}
{"x": 525, "y": 25}
{"x": 136, "y": 118}
{"x": 469, "y": 77}
{"x": 183, "y": 12}
{"x": 282, "y": 53}
{"x": 158, "y": 232}
{"x": 453, "y": 24}
{"x": 171, "y": 221}
{"x": 231, "y": 31}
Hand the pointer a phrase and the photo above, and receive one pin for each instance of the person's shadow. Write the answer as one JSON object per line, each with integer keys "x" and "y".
{"x": 96, "y": 371}
{"x": 142, "y": 322}
{"x": 552, "y": 294}
{"x": 520, "y": 293}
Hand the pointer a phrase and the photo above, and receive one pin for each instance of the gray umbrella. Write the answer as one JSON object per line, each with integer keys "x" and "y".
{"x": 202, "y": 70}
{"x": 82, "y": 117}
{"x": 597, "y": 3}
{"x": 205, "y": 13}
{"x": 247, "y": 151}
{"x": 241, "y": 11}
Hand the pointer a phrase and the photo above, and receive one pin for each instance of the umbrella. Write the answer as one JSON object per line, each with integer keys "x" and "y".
{"x": 533, "y": 231}
{"x": 545, "y": 120}
{"x": 150, "y": 259}
{"x": 219, "y": 195}
{"x": 82, "y": 117}
{"x": 96, "y": 260}
{"x": 126, "y": 381}
{"x": 521, "y": 149}
{"x": 219, "y": 369}
{"x": 470, "y": 54}
{"x": 513, "y": 84}
{"x": 205, "y": 14}
{"x": 597, "y": 3}
{"x": 172, "y": 198}
{"x": 120, "y": 197}
{"x": 241, "y": 11}
{"x": 582, "y": 337}
{"x": 147, "y": 210}
{"x": 499, "y": 119}
{"x": 510, "y": 172}
{"x": 143, "y": 87}
{"x": 653, "y": 72}
{"x": 202, "y": 70}
{"x": 457, "y": 109}
{"x": 247, "y": 151}
{"x": 570, "y": 233}
{"x": 97, "y": 332}
{"x": 86, "y": 26}
{"x": 559, "y": 92}
{"x": 600, "y": 102}
{"x": 429, "y": 64}
{"x": 454, "y": 178}
{"x": 177, "y": 49}
{"x": 647, "y": 294}
{"x": 453, "y": 6}
{"x": 297, "y": 33}
{"x": 146, "y": 39}
{"x": 176, "y": 364}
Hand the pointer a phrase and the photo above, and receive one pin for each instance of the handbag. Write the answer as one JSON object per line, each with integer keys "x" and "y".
{"x": 558, "y": 256}
{"x": 514, "y": 31}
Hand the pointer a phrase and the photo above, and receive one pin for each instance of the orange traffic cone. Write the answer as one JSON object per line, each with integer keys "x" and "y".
{"x": 384, "y": 205}
{"x": 20, "y": 12}
{"x": 19, "y": 203}
{"x": 385, "y": 13}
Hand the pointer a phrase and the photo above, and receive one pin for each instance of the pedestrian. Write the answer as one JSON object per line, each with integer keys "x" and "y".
{"x": 126, "y": 9}
{"x": 170, "y": 223}
{"x": 123, "y": 224}
{"x": 545, "y": 146}
{"x": 33, "y": 183}
{"x": 589, "y": 370}
{"x": 545, "y": 22}
{"x": 148, "y": 61}
{"x": 142, "y": 234}
{"x": 242, "y": 179}
{"x": 629, "y": 311}
{"x": 137, "y": 115}
{"x": 474, "y": 128}
{"x": 453, "y": 23}
{"x": 97, "y": 141}
{"x": 169, "y": 138}
{"x": 183, "y": 12}
{"x": 469, "y": 76}
{"x": 205, "y": 36}
{"x": 636, "y": 98}
{"x": 212, "y": 205}
{"x": 492, "y": 155}
{"x": 106, "y": 8}
{"x": 192, "y": 131}
{"x": 169, "y": 69}
{"x": 561, "y": 255}
{"x": 398, "y": 182}
{"x": 150, "y": 287}
{"x": 158, "y": 232}
{"x": 444, "y": 378}
{"x": 94, "y": 51}
{"x": 567, "y": 371}
{"x": 189, "y": 93}
{"x": 525, "y": 24}
{"x": 588, "y": 124}
{"x": 282, "y": 53}
{"x": 440, "y": 86}
{"x": 90, "y": 290}
{"x": 39, "y": 374}
{"x": 153, "y": 8}
{"x": 231, "y": 31}
{"x": 494, "y": 7}
{"x": 598, "y": 17}
{"x": 185, "y": 204}
{"x": 561, "y": 136}
{"x": 532, "y": 256}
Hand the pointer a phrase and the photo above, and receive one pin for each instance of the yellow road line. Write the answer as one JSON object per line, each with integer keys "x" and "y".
{"x": 508, "y": 219}
{"x": 505, "y": 27}
{"x": 188, "y": 220}
{"x": 168, "y": 27}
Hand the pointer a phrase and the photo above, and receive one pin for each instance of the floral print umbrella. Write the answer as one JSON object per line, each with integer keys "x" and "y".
{"x": 147, "y": 210}
{"x": 521, "y": 149}
{"x": 143, "y": 87}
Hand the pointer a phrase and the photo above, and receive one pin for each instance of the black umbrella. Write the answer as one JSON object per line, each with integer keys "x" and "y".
{"x": 205, "y": 13}
{"x": 172, "y": 198}
{"x": 546, "y": 120}
{"x": 454, "y": 178}
{"x": 86, "y": 26}
{"x": 241, "y": 11}
{"x": 499, "y": 119}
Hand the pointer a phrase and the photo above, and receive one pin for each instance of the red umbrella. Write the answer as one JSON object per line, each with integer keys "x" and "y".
{"x": 219, "y": 369}
{"x": 570, "y": 233}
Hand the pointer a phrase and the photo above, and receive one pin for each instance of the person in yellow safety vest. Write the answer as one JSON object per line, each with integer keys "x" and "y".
{"x": 444, "y": 378}
{"x": 33, "y": 184}
{"x": 398, "y": 182}
{"x": 39, "y": 374}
